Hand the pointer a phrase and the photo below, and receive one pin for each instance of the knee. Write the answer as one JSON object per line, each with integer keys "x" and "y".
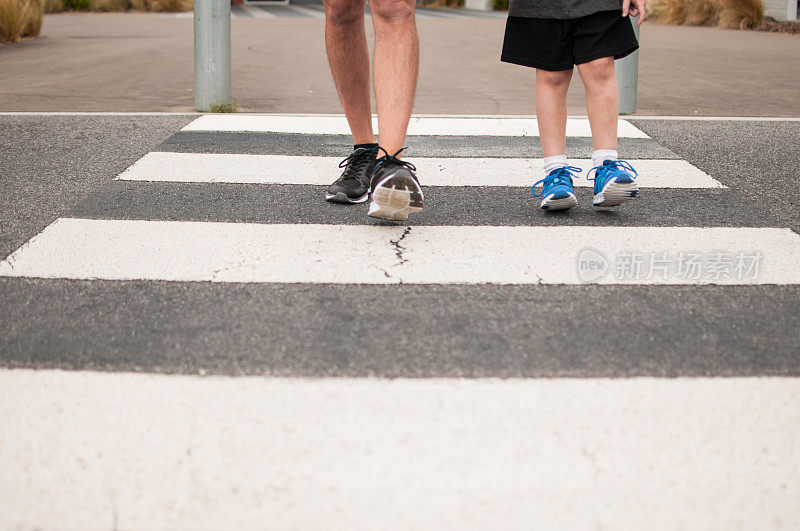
{"x": 600, "y": 71}
{"x": 392, "y": 10}
{"x": 343, "y": 12}
{"x": 553, "y": 79}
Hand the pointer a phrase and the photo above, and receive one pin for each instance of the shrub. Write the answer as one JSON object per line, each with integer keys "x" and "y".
{"x": 52, "y": 6}
{"x": 440, "y": 3}
{"x": 741, "y": 14}
{"x": 20, "y": 18}
{"x": 77, "y": 5}
{"x": 109, "y": 5}
{"x": 162, "y": 5}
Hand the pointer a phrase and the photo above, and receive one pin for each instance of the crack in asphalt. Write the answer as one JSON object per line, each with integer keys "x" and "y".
{"x": 399, "y": 249}
{"x": 216, "y": 273}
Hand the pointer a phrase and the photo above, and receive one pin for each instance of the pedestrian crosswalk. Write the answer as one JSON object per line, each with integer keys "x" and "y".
{"x": 256, "y": 215}
{"x": 458, "y": 172}
{"x": 483, "y": 364}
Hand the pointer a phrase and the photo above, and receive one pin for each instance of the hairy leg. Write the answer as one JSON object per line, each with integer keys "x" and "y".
{"x": 396, "y": 68}
{"x": 602, "y": 101}
{"x": 551, "y": 110}
{"x": 346, "y": 44}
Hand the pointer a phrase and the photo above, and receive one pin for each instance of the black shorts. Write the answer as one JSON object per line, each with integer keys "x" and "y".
{"x": 551, "y": 44}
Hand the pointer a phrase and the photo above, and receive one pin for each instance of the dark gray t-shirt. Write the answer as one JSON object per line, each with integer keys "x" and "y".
{"x": 560, "y": 9}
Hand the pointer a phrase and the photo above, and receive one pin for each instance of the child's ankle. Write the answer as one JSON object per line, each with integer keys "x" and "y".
{"x": 554, "y": 162}
{"x": 599, "y": 156}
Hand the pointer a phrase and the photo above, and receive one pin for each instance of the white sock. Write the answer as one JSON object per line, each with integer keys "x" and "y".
{"x": 554, "y": 162}
{"x": 599, "y": 156}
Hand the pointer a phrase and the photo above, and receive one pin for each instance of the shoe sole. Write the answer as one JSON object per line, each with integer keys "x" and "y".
{"x": 614, "y": 194}
{"x": 341, "y": 197}
{"x": 396, "y": 196}
{"x": 563, "y": 203}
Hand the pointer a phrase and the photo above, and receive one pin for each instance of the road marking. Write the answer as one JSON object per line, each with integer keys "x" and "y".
{"x": 422, "y": 126}
{"x": 255, "y": 12}
{"x": 363, "y": 254}
{"x": 136, "y": 451}
{"x": 306, "y": 11}
{"x": 281, "y": 169}
{"x": 718, "y": 118}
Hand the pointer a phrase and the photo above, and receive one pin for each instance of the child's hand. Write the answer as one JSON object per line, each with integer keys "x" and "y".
{"x": 635, "y": 10}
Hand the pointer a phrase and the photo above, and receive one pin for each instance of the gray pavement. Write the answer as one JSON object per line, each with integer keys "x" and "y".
{"x": 486, "y": 205}
{"x": 49, "y": 163}
{"x": 529, "y": 331}
{"x": 447, "y": 331}
{"x": 139, "y": 62}
{"x": 760, "y": 160}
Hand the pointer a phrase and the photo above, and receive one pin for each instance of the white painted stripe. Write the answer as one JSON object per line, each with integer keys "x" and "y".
{"x": 92, "y": 451}
{"x": 256, "y": 12}
{"x": 280, "y": 169}
{"x": 425, "y": 126}
{"x": 718, "y": 118}
{"x": 306, "y": 11}
{"x": 368, "y": 254}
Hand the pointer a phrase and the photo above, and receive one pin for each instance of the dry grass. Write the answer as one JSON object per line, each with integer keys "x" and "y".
{"x": 56, "y": 6}
{"x": 52, "y": 6}
{"x": 742, "y": 14}
{"x": 20, "y": 18}
{"x": 440, "y": 3}
{"x": 161, "y": 5}
{"x": 109, "y": 5}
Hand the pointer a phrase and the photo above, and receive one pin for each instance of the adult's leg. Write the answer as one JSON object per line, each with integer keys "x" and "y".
{"x": 396, "y": 68}
{"x": 551, "y": 110}
{"x": 346, "y": 43}
{"x": 602, "y": 101}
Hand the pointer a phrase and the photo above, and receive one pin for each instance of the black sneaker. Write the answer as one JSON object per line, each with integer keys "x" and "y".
{"x": 353, "y": 185}
{"x": 396, "y": 192}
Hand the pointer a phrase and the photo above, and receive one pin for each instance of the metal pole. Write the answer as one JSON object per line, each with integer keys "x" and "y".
{"x": 212, "y": 53}
{"x": 627, "y": 71}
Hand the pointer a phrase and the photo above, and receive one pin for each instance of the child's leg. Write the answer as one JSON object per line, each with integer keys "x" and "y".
{"x": 614, "y": 181}
{"x": 551, "y": 110}
{"x": 602, "y": 103}
{"x": 551, "y": 113}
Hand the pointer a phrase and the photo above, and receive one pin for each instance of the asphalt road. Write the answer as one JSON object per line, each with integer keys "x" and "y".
{"x": 61, "y": 166}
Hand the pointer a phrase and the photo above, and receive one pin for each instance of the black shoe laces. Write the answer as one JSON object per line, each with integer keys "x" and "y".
{"x": 394, "y": 160}
{"x": 357, "y": 162}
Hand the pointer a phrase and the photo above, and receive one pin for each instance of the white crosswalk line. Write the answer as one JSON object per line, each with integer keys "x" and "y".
{"x": 256, "y": 12}
{"x": 280, "y": 169}
{"x": 133, "y": 451}
{"x": 419, "y": 125}
{"x": 244, "y": 252}
{"x": 306, "y": 11}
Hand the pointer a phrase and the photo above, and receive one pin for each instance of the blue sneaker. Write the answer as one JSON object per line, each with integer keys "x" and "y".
{"x": 557, "y": 192}
{"x": 614, "y": 183}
